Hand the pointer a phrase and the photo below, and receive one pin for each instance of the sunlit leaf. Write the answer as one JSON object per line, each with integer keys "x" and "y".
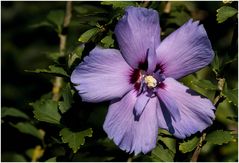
{"x": 160, "y": 154}
{"x": 88, "y": 35}
{"x": 231, "y": 95}
{"x": 119, "y": 4}
{"x": 35, "y": 153}
{"x": 59, "y": 71}
{"x": 67, "y": 99}
{"x": 188, "y": 146}
{"x": 13, "y": 112}
{"x": 224, "y": 13}
{"x": 75, "y": 139}
{"x": 107, "y": 41}
{"x": 205, "y": 84}
{"x": 46, "y": 111}
{"x": 27, "y": 128}
{"x": 219, "y": 137}
{"x": 57, "y": 18}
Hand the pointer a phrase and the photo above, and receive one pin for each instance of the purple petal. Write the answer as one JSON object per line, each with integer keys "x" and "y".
{"x": 196, "y": 112}
{"x": 136, "y": 32}
{"x": 169, "y": 102}
{"x": 129, "y": 134}
{"x": 186, "y": 50}
{"x": 141, "y": 103}
{"x": 152, "y": 60}
{"x": 104, "y": 75}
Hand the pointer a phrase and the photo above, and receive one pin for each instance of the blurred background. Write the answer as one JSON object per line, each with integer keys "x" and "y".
{"x": 29, "y": 42}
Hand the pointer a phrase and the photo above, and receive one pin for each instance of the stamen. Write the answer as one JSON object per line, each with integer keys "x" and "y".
{"x": 150, "y": 81}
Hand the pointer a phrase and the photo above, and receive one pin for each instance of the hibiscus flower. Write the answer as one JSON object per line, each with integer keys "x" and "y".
{"x": 140, "y": 81}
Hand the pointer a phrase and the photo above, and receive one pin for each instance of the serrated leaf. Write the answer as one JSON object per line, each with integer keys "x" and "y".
{"x": 75, "y": 139}
{"x": 205, "y": 84}
{"x": 13, "y": 112}
{"x": 88, "y": 35}
{"x": 57, "y": 18}
{"x": 27, "y": 128}
{"x": 224, "y": 13}
{"x": 46, "y": 111}
{"x": 119, "y": 4}
{"x": 59, "y": 71}
{"x": 219, "y": 137}
{"x": 231, "y": 95}
{"x": 107, "y": 41}
{"x": 189, "y": 145}
{"x": 67, "y": 99}
{"x": 160, "y": 154}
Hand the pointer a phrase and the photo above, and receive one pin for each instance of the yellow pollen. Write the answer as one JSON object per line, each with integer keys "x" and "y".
{"x": 150, "y": 81}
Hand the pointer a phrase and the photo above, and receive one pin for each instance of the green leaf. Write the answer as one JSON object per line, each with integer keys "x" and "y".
{"x": 67, "y": 99}
{"x": 41, "y": 24}
{"x": 215, "y": 64}
{"x": 27, "y": 128}
{"x": 160, "y": 154}
{"x": 188, "y": 146}
{"x": 12, "y": 157}
{"x": 224, "y": 13}
{"x": 57, "y": 18}
{"x": 107, "y": 41}
{"x": 13, "y": 112}
{"x": 178, "y": 17}
{"x": 75, "y": 139}
{"x": 167, "y": 139}
{"x": 119, "y": 4}
{"x": 46, "y": 111}
{"x": 58, "y": 71}
{"x": 219, "y": 137}
{"x": 88, "y": 35}
{"x": 54, "y": 56}
{"x": 76, "y": 54}
{"x": 53, "y": 159}
{"x": 88, "y": 9}
{"x": 231, "y": 95}
{"x": 205, "y": 84}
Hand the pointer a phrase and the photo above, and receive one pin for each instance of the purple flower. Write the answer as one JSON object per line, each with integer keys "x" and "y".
{"x": 140, "y": 81}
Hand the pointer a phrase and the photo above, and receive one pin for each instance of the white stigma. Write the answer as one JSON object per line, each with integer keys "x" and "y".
{"x": 150, "y": 81}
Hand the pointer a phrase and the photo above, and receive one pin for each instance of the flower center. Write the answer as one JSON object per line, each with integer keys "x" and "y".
{"x": 150, "y": 81}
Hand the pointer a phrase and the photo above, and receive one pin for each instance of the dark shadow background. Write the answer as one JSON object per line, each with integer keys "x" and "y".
{"x": 24, "y": 47}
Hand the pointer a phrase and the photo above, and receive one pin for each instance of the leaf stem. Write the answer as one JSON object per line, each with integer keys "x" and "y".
{"x": 57, "y": 84}
{"x": 217, "y": 100}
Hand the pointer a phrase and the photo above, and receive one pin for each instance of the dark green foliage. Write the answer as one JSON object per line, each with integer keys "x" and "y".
{"x": 65, "y": 128}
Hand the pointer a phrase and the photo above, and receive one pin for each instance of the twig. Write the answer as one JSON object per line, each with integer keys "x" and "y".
{"x": 130, "y": 159}
{"x": 167, "y": 7}
{"x": 57, "y": 84}
{"x": 217, "y": 100}
{"x": 145, "y": 4}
